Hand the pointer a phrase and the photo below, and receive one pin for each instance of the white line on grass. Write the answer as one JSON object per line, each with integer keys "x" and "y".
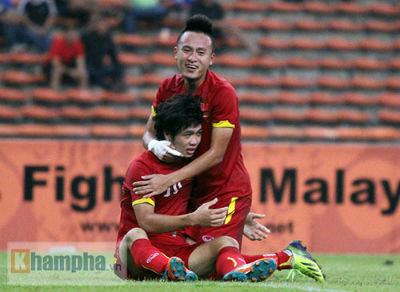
{"x": 299, "y": 287}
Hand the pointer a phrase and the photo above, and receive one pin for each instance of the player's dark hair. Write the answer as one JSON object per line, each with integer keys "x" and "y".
{"x": 199, "y": 23}
{"x": 176, "y": 114}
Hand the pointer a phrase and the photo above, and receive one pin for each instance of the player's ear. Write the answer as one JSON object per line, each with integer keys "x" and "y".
{"x": 175, "y": 52}
{"x": 212, "y": 58}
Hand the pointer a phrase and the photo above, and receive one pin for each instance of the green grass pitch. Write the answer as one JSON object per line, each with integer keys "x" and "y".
{"x": 344, "y": 273}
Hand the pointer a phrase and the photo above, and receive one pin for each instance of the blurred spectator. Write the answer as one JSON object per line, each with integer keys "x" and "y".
{"x": 76, "y": 11}
{"x": 7, "y": 14}
{"x": 37, "y": 17}
{"x": 101, "y": 57}
{"x": 221, "y": 29}
{"x": 148, "y": 10}
{"x": 67, "y": 60}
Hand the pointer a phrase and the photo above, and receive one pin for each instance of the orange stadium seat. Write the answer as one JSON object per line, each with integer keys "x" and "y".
{"x": 275, "y": 24}
{"x": 75, "y": 113}
{"x": 243, "y": 23}
{"x": 318, "y": 7}
{"x": 325, "y": 98}
{"x": 340, "y": 44}
{"x": 148, "y": 95}
{"x": 257, "y": 115}
{"x": 391, "y": 116}
{"x": 389, "y": 99}
{"x": 369, "y": 64}
{"x": 394, "y": 63}
{"x": 260, "y": 81}
{"x": 169, "y": 42}
{"x": 5, "y": 58}
{"x": 28, "y": 58}
{"x": 233, "y": 60}
{"x": 274, "y": 43}
{"x": 136, "y": 130}
{"x": 9, "y": 113}
{"x": 36, "y": 130}
{"x": 8, "y": 130}
{"x": 22, "y": 78}
{"x": 382, "y": 134}
{"x": 104, "y": 131}
{"x": 310, "y": 25}
{"x": 393, "y": 82}
{"x": 286, "y": 133}
{"x": 332, "y": 82}
{"x": 385, "y": 9}
{"x": 366, "y": 82}
{"x": 372, "y": 44}
{"x": 133, "y": 40}
{"x": 14, "y": 95}
{"x": 301, "y": 62}
{"x": 108, "y": 113}
{"x": 288, "y": 115}
{"x": 305, "y": 44}
{"x": 294, "y": 82}
{"x": 118, "y": 97}
{"x": 256, "y": 97}
{"x": 267, "y": 62}
{"x": 291, "y": 97}
{"x": 162, "y": 59}
{"x": 39, "y": 112}
{"x": 82, "y": 96}
{"x": 344, "y": 25}
{"x": 250, "y": 6}
{"x": 130, "y": 59}
{"x": 380, "y": 26}
{"x": 352, "y": 8}
{"x": 360, "y": 99}
{"x": 141, "y": 113}
{"x": 353, "y": 116}
{"x": 254, "y": 132}
{"x": 48, "y": 95}
{"x": 396, "y": 45}
{"x": 320, "y": 116}
{"x": 334, "y": 63}
{"x": 71, "y": 130}
{"x": 283, "y": 6}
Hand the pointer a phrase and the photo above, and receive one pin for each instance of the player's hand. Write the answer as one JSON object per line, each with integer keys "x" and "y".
{"x": 151, "y": 185}
{"x": 254, "y": 230}
{"x": 163, "y": 150}
{"x": 204, "y": 216}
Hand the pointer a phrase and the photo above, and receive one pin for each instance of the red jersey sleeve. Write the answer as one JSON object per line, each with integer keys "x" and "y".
{"x": 135, "y": 171}
{"x": 225, "y": 112}
{"x": 79, "y": 50}
{"x": 56, "y": 47}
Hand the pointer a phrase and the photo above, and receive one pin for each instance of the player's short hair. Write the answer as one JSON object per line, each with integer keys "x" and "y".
{"x": 176, "y": 114}
{"x": 198, "y": 23}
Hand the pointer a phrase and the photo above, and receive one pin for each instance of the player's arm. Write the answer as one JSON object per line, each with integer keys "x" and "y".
{"x": 155, "y": 184}
{"x": 158, "y": 223}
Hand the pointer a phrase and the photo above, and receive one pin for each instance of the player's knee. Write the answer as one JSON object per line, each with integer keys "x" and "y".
{"x": 135, "y": 234}
{"x": 227, "y": 241}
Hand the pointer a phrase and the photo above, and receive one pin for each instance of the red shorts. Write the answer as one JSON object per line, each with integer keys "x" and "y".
{"x": 170, "y": 245}
{"x": 238, "y": 209}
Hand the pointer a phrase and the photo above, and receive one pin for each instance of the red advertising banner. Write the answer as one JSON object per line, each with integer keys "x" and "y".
{"x": 335, "y": 197}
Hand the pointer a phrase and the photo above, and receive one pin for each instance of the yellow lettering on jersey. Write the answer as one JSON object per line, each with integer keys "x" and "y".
{"x": 153, "y": 111}
{"x": 144, "y": 201}
{"x": 231, "y": 210}
{"x": 223, "y": 124}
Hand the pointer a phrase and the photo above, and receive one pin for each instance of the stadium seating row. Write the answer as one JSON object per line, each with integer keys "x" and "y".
{"x": 368, "y": 134}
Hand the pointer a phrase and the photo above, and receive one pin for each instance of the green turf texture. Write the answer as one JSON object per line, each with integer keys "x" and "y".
{"x": 344, "y": 273}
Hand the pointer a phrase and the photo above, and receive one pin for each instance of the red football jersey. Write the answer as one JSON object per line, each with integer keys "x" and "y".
{"x": 219, "y": 102}
{"x": 172, "y": 202}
